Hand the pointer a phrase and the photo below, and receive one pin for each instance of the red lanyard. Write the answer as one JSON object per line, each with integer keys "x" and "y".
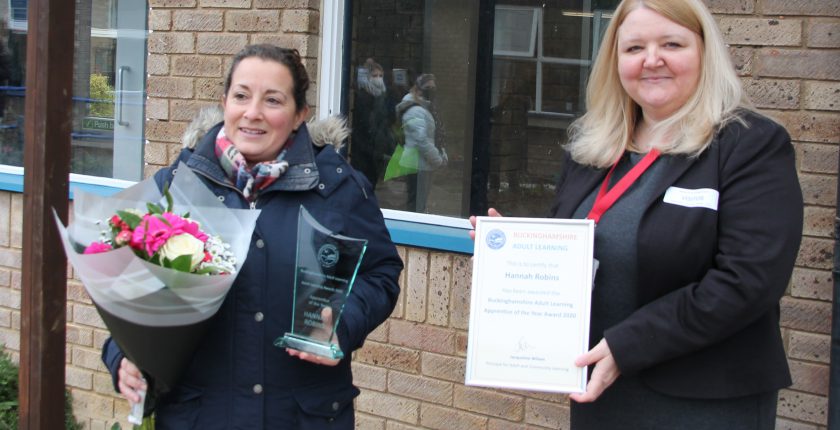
{"x": 605, "y": 199}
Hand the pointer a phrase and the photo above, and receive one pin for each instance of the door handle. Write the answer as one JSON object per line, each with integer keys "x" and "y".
{"x": 120, "y": 79}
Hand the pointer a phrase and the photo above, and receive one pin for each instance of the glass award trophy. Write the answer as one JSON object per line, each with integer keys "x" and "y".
{"x": 325, "y": 270}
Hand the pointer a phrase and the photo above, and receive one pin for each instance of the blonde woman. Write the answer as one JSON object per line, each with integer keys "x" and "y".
{"x": 699, "y": 219}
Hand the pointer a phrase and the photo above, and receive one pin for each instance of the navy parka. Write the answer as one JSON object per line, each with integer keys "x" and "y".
{"x": 238, "y": 379}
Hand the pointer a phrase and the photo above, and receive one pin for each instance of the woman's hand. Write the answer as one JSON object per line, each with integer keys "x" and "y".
{"x": 490, "y": 212}
{"x": 130, "y": 381}
{"x": 603, "y": 375}
{"x": 326, "y": 317}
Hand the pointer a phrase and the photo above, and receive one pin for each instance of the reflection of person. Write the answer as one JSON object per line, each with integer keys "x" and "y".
{"x": 372, "y": 137}
{"x": 263, "y": 156}
{"x": 422, "y": 131}
{"x": 697, "y": 251}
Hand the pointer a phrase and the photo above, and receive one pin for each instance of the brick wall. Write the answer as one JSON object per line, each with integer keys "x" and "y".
{"x": 411, "y": 369}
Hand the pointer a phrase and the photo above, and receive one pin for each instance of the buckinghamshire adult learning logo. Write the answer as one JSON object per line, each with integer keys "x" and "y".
{"x": 328, "y": 255}
{"x": 496, "y": 239}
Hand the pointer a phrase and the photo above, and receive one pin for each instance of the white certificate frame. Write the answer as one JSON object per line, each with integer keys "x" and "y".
{"x": 530, "y": 303}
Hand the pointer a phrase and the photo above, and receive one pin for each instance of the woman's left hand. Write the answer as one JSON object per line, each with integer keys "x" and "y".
{"x": 603, "y": 375}
{"x": 326, "y": 317}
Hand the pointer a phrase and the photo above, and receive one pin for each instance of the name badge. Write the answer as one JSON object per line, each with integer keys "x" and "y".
{"x": 700, "y": 198}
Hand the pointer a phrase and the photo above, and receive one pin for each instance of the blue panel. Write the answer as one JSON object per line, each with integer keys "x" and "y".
{"x": 432, "y": 236}
{"x": 437, "y": 237}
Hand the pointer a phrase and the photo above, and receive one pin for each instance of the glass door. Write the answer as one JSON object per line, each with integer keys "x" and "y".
{"x": 108, "y": 86}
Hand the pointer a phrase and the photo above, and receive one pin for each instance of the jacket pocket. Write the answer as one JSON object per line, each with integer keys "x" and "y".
{"x": 326, "y": 407}
{"x": 178, "y": 410}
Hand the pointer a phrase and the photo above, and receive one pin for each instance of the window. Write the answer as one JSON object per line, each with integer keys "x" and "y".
{"x": 509, "y": 77}
{"x": 108, "y": 87}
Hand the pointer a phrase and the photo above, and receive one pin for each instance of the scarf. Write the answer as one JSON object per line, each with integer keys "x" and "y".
{"x": 248, "y": 180}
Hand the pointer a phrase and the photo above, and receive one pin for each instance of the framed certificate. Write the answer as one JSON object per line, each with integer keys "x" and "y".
{"x": 529, "y": 310}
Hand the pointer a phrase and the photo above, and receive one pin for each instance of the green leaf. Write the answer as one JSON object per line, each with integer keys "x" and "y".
{"x": 183, "y": 263}
{"x": 129, "y": 218}
{"x": 116, "y": 426}
{"x": 154, "y": 208}
{"x": 207, "y": 270}
{"x": 169, "y": 202}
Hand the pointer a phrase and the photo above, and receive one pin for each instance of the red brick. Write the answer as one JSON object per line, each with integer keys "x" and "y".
{"x": 819, "y": 221}
{"x": 822, "y": 127}
{"x": 420, "y": 388}
{"x": 773, "y": 93}
{"x": 435, "y": 417}
{"x": 440, "y": 275}
{"x": 251, "y": 20}
{"x": 810, "y": 378}
{"x": 546, "y": 414}
{"x": 165, "y": 131}
{"x": 783, "y": 424}
{"x": 489, "y": 402}
{"x": 198, "y": 20}
{"x": 157, "y": 64}
{"x": 389, "y": 356}
{"x": 369, "y": 377}
{"x": 416, "y": 285}
{"x": 817, "y": 158}
{"x": 461, "y": 290}
{"x": 286, "y": 4}
{"x": 801, "y": 7}
{"x": 186, "y": 110}
{"x": 820, "y": 95}
{"x": 225, "y": 3}
{"x": 171, "y": 43}
{"x": 422, "y": 337}
{"x": 812, "y": 284}
{"x": 824, "y": 33}
{"x": 809, "y": 346}
{"x": 798, "y": 63}
{"x": 160, "y": 20}
{"x": 761, "y": 31}
{"x": 806, "y": 315}
{"x": 171, "y": 3}
{"x": 300, "y": 21}
{"x": 306, "y": 44}
{"x": 742, "y": 59}
{"x": 803, "y": 407}
{"x": 167, "y": 87}
{"x": 388, "y": 406}
{"x": 369, "y": 422}
{"x": 443, "y": 367}
{"x": 220, "y": 44}
{"x": 199, "y": 65}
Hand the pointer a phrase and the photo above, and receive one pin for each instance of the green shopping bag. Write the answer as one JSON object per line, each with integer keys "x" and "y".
{"x": 403, "y": 162}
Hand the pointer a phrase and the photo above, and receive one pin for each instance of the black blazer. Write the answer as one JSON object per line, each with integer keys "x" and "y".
{"x": 710, "y": 281}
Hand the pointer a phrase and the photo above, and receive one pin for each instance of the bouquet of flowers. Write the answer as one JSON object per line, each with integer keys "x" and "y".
{"x": 164, "y": 238}
{"x": 156, "y": 277}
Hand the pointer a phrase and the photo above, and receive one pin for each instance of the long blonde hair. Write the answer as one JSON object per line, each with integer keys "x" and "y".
{"x": 601, "y": 135}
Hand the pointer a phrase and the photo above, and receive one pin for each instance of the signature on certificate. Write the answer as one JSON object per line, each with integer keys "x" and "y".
{"x": 522, "y": 345}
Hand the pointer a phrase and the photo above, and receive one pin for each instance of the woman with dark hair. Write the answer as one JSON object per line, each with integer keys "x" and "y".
{"x": 259, "y": 153}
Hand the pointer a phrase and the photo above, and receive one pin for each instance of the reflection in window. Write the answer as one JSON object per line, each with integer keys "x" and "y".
{"x": 107, "y": 106}
{"x": 541, "y": 56}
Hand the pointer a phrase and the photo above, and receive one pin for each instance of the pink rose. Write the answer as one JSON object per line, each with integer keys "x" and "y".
{"x": 97, "y": 247}
{"x": 150, "y": 234}
{"x": 183, "y": 225}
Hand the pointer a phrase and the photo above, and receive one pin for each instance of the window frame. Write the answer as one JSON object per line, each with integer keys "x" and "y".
{"x": 436, "y": 232}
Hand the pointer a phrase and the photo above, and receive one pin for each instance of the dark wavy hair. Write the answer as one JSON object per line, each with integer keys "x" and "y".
{"x": 287, "y": 57}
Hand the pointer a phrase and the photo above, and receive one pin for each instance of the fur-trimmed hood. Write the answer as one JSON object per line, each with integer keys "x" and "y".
{"x": 329, "y": 131}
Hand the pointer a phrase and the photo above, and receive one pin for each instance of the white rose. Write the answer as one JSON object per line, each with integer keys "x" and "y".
{"x": 183, "y": 244}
